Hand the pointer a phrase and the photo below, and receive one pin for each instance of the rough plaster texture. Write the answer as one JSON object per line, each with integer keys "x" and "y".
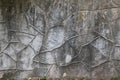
{"x": 52, "y": 37}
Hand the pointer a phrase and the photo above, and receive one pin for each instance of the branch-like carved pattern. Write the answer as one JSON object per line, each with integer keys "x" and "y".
{"x": 31, "y": 23}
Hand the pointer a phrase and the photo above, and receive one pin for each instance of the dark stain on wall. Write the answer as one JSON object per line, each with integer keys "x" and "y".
{"x": 10, "y": 10}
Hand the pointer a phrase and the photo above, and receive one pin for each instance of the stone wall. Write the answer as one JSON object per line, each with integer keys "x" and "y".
{"x": 50, "y": 37}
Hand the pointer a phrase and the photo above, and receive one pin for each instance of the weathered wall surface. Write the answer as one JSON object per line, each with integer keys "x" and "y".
{"x": 52, "y": 37}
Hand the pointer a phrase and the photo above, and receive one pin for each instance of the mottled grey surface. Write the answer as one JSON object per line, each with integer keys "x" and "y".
{"x": 52, "y": 37}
